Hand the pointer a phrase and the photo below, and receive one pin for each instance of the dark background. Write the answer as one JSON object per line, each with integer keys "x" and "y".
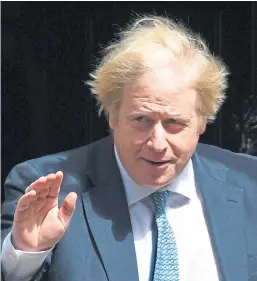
{"x": 48, "y": 49}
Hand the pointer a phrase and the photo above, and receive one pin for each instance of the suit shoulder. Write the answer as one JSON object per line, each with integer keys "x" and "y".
{"x": 76, "y": 157}
{"x": 231, "y": 160}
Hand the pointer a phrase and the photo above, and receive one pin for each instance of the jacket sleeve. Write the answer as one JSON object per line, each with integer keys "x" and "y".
{"x": 20, "y": 177}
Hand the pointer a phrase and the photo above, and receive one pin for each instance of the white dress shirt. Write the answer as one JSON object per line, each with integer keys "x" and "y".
{"x": 184, "y": 213}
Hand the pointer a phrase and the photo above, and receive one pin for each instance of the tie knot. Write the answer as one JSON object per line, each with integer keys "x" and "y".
{"x": 160, "y": 200}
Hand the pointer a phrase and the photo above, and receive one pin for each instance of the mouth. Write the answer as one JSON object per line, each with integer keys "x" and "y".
{"x": 158, "y": 163}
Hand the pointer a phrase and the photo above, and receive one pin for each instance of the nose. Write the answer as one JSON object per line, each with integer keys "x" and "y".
{"x": 157, "y": 140}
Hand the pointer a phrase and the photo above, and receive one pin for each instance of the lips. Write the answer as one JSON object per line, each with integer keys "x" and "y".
{"x": 157, "y": 163}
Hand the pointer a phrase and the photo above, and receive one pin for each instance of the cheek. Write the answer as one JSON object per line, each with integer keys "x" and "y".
{"x": 134, "y": 137}
{"x": 183, "y": 137}
{"x": 129, "y": 142}
{"x": 183, "y": 143}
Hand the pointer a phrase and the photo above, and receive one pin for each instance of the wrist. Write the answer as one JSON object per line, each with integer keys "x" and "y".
{"x": 26, "y": 248}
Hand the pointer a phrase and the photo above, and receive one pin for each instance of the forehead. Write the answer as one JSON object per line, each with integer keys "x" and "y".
{"x": 162, "y": 88}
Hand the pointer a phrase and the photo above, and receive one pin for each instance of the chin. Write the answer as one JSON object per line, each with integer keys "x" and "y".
{"x": 158, "y": 182}
{"x": 154, "y": 179}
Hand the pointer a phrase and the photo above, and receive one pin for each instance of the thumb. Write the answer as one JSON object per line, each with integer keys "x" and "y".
{"x": 67, "y": 209}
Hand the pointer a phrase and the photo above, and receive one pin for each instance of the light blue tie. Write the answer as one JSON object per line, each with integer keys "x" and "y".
{"x": 166, "y": 265}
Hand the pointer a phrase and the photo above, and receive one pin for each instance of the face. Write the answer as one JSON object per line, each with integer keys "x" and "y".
{"x": 157, "y": 127}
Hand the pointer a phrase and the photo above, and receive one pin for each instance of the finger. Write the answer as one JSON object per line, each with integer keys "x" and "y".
{"x": 36, "y": 184}
{"x": 26, "y": 200}
{"x": 67, "y": 209}
{"x": 55, "y": 188}
{"x": 44, "y": 191}
{"x": 38, "y": 205}
{"x": 42, "y": 185}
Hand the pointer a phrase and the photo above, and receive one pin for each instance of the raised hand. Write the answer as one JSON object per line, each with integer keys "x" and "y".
{"x": 38, "y": 222}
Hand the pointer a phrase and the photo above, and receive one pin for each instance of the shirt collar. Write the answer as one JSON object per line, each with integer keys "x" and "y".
{"x": 184, "y": 184}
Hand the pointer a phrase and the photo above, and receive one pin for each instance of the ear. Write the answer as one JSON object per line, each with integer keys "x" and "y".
{"x": 112, "y": 119}
{"x": 202, "y": 127}
{"x": 111, "y": 125}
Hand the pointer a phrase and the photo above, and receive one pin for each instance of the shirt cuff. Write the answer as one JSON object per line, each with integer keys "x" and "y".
{"x": 19, "y": 265}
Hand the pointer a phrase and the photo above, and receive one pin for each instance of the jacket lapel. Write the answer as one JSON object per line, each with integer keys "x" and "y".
{"x": 224, "y": 212}
{"x": 108, "y": 217}
{"x": 107, "y": 214}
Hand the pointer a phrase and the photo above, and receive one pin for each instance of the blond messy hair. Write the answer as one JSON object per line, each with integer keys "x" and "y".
{"x": 129, "y": 55}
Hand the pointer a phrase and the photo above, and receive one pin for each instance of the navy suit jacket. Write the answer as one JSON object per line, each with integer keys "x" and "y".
{"x": 99, "y": 245}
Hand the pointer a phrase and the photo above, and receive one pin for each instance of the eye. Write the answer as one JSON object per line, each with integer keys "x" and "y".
{"x": 142, "y": 119}
{"x": 172, "y": 121}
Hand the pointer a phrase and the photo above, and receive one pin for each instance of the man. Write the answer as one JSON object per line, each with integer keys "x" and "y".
{"x": 147, "y": 202}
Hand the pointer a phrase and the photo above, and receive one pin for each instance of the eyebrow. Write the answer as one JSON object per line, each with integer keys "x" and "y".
{"x": 175, "y": 116}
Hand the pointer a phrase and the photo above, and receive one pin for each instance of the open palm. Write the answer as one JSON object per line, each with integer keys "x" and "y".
{"x": 38, "y": 222}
